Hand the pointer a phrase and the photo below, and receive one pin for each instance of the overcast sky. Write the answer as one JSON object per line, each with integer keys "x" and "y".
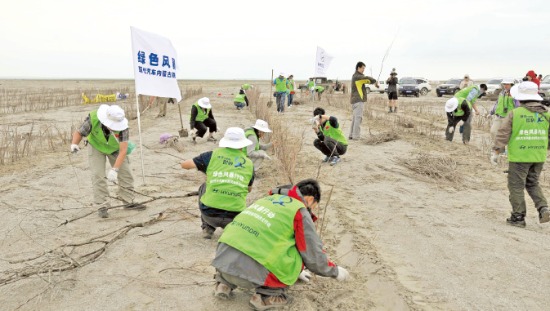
{"x": 68, "y": 39}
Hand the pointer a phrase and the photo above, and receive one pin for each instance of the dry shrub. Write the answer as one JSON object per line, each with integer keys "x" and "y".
{"x": 287, "y": 141}
{"x": 381, "y": 138}
{"x": 174, "y": 142}
{"x": 433, "y": 166}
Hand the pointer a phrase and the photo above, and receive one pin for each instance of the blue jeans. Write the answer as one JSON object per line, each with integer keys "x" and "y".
{"x": 290, "y": 98}
{"x": 239, "y": 105}
{"x": 280, "y": 98}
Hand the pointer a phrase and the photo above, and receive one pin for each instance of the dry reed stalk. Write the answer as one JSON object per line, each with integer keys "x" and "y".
{"x": 381, "y": 138}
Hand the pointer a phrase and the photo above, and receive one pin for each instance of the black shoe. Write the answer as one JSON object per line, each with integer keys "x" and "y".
{"x": 544, "y": 215}
{"x": 518, "y": 221}
{"x": 135, "y": 206}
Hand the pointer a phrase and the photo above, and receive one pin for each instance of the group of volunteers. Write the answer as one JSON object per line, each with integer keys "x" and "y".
{"x": 520, "y": 130}
{"x": 270, "y": 244}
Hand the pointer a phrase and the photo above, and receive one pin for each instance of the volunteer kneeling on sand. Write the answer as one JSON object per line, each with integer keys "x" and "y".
{"x": 256, "y": 151}
{"x": 229, "y": 177}
{"x": 331, "y": 141}
{"x": 267, "y": 246}
{"x": 525, "y": 131}
{"x": 107, "y": 132}
{"x": 202, "y": 119}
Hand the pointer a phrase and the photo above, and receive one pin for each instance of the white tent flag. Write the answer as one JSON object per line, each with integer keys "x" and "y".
{"x": 322, "y": 62}
{"x": 155, "y": 64}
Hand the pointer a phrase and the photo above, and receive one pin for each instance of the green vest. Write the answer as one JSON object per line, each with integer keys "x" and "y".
{"x": 459, "y": 112}
{"x": 291, "y": 85}
{"x": 97, "y": 139}
{"x": 227, "y": 177}
{"x": 462, "y": 94}
{"x": 310, "y": 84}
{"x": 319, "y": 89}
{"x": 265, "y": 232}
{"x": 239, "y": 98}
{"x": 529, "y": 140}
{"x": 201, "y": 115}
{"x": 245, "y": 86}
{"x": 505, "y": 104}
{"x": 280, "y": 85}
{"x": 248, "y": 132}
{"x": 334, "y": 133}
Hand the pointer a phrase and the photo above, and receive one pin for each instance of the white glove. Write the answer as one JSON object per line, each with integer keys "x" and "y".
{"x": 305, "y": 276}
{"x": 343, "y": 274}
{"x": 494, "y": 158}
{"x": 264, "y": 155}
{"x": 451, "y": 129}
{"x": 75, "y": 148}
{"x": 112, "y": 176}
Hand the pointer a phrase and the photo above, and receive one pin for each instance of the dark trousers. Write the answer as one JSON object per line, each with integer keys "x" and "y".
{"x": 330, "y": 147}
{"x": 280, "y": 99}
{"x": 208, "y": 124}
{"x": 452, "y": 121}
{"x": 290, "y": 98}
{"x": 524, "y": 176}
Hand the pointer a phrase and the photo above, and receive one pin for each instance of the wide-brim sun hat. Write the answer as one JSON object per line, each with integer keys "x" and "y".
{"x": 204, "y": 103}
{"x": 526, "y": 90}
{"x": 262, "y": 126}
{"x": 451, "y": 104}
{"x": 112, "y": 117}
{"x": 234, "y": 138}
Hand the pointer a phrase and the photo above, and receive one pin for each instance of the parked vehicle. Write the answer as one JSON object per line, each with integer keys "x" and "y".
{"x": 448, "y": 88}
{"x": 414, "y": 86}
{"x": 544, "y": 89}
{"x": 382, "y": 87}
{"x": 494, "y": 88}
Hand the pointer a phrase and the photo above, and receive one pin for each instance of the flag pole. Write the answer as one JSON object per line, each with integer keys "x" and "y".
{"x": 140, "y": 142}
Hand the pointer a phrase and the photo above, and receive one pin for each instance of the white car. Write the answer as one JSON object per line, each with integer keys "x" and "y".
{"x": 383, "y": 87}
{"x": 414, "y": 86}
{"x": 494, "y": 88}
{"x": 544, "y": 89}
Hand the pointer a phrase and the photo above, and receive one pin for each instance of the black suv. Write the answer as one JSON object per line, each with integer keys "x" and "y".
{"x": 448, "y": 88}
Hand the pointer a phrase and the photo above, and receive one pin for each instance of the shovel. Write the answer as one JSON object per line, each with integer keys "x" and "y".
{"x": 270, "y": 102}
{"x": 183, "y": 132}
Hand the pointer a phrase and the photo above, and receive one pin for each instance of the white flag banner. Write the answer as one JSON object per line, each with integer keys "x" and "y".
{"x": 155, "y": 61}
{"x": 322, "y": 62}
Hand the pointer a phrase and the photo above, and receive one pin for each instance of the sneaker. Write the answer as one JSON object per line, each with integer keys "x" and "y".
{"x": 222, "y": 291}
{"x": 207, "y": 233}
{"x": 135, "y": 206}
{"x": 211, "y": 138}
{"x": 334, "y": 161}
{"x": 517, "y": 221}
{"x": 259, "y": 302}
{"x": 326, "y": 159}
{"x": 544, "y": 215}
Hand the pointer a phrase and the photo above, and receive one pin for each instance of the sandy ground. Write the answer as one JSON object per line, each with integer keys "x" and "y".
{"x": 410, "y": 242}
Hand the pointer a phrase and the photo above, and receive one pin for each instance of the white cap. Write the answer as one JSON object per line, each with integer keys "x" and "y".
{"x": 467, "y": 76}
{"x": 205, "y": 103}
{"x": 507, "y": 81}
{"x": 112, "y": 117}
{"x": 281, "y": 74}
{"x": 451, "y": 104}
{"x": 234, "y": 138}
{"x": 262, "y": 126}
{"x": 526, "y": 90}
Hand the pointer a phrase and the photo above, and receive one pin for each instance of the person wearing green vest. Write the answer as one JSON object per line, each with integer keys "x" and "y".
{"x": 331, "y": 141}
{"x": 525, "y": 130}
{"x": 504, "y": 104}
{"x": 291, "y": 90}
{"x": 246, "y": 87}
{"x": 311, "y": 88}
{"x": 319, "y": 90}
{"x": 229, "y": 178}
{"x": 268, "y": 246}
{"x": 240, "y": 100}
{"x": 202, "y": 119}
{"x": 281, "y": 86}
{"x": 107, "y": 133}
{"x": 256, "y": 151}
{"x": 459, "y": 108}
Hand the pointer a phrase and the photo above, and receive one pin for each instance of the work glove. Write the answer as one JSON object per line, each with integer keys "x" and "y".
{"x": 75, "y": 148}
{"x": 112, "y": 176}
{"x": 343, "y": 274}
{"x": 494, "y": 158}
{"x": 451, "y": 129}
{"x": 305, "y": 276}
